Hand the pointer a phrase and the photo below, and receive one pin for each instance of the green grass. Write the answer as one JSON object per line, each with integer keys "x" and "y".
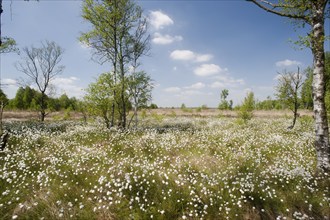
{"x": 170, "y": 168}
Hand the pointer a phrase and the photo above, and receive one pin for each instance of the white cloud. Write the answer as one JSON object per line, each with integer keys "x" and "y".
{"x": 198, "y": 85}
{"x": 165, "y": 39}
{"x": 182, "y": 55}
{"x": 225, "y": 81}
{"x": 68, "y": 85}
{"x": 9, "y": 82}
{"x": 172, "y": 89}
{"x": 158, "y": 19}
{"x": 208, "y": 70}
{"x": 203, "y": 57}
{"x": 287, "y": 63}
{"x": 188, "y": 55}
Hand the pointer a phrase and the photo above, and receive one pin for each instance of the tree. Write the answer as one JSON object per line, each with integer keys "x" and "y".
{"x": 224, "y": 104}
{"x": 306, "y": 89}
{"x": 18, "y": 100}
{"x": 245, "y": 111}
{"x": 287, "y": 90}
{"x": 117, "y": 37}
{"x": 64, "y": 101}
{"x": 41, "y": 65}
{"x": 312, "y": 13}
{"x": 8, "y": 45}
{"x": 139, "y": 86}
{"x": 3, "y": 102}
{"x": 99, "y": 98}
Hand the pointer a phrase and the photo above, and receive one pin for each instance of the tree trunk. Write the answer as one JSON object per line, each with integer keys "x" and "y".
{"x": 321, "y": 122}
{"x": 123, "y": 100}
{"x": 42, "y": 107}
{"x": 136, "y": 116}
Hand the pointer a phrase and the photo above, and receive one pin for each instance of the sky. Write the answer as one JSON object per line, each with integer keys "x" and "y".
{"x": 198, "y": 48}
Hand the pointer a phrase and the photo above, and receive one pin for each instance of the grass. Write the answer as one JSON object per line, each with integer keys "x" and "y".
{"x": 171, "y": 168}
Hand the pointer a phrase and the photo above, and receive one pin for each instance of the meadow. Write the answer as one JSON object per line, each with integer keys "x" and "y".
{"x": 171, "y": 167}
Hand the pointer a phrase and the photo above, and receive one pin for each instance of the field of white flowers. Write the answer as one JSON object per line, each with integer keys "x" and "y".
{"x": 170, "y": 168}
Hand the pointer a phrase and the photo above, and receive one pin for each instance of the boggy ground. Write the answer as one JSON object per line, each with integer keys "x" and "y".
{"x": 172, "y": 167}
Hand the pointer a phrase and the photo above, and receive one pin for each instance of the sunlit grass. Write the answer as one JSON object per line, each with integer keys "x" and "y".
{"x": 170, "y": 168}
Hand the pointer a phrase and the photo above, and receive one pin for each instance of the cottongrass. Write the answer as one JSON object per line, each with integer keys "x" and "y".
{"x": 176, "y": 168}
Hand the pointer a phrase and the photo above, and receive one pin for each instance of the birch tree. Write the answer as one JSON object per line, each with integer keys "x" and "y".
{"x": 312, "y": 13}
{"x": 99, "y": 98}
{"x": 139, "y": 86}
{"x": 288, "y": 87}
{"x": 118, "y": 30}
{"x": 41, "y": 65}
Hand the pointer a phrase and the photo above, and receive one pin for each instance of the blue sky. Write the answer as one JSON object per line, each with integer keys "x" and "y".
{"x": 198, "y": 48}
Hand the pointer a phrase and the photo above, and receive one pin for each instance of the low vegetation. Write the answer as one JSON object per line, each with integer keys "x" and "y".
{"x": 173, "y": 168}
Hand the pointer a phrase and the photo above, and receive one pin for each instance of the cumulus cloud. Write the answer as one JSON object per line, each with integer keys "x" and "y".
{"x": 159, "y": 20}
{"x": 208, "y": 70}
{"x": 172, "y": 89}
{"x": 182, "y": 55}
{"x": 287, "y": 63}
{"x": 188, "y": 55}
{"x": 68, "y": 85}
{"x": 165, "y": 39}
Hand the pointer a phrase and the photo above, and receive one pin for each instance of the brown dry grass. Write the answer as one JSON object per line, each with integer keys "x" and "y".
{"x": 34, "y": 115}
{"x": 192, "y": 112}
{"x": 225, "y": 113}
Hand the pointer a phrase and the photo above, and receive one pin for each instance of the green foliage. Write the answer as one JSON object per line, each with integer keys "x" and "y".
{"x": 27, "y": 98}
{"x": 269, "y": 104}
{"x": 153, "y": 106}
{"x": 204, "y": 107}
{"x": 245, "y": 111}
{"x": 3, "y": 98}
{"x": 288, "y": 87}
{"x": 224, "y": 103}
{"x": 183, "y": 106}
{"x": 119, "y": 36}
{"x": 8, "y": 45}
{"x": 139, "y": 87}
{"x": 100, "y": 100}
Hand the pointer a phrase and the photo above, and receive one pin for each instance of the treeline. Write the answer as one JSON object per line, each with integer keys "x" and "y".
{"x": 291, "y": 86}
{"x": 305, "y": 94}
{"x": 27, "y": 98}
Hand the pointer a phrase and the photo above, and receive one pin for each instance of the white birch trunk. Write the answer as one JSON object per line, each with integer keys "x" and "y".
{"x": 321, "y": 122}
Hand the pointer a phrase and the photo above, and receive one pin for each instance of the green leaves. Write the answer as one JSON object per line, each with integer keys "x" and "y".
{"x": 8, "y": 45}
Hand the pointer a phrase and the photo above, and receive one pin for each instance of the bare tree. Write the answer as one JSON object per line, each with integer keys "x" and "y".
{"x": 41, "y": 65}
{"x": 312, "y": 13}
{"x": 287, "y": 89}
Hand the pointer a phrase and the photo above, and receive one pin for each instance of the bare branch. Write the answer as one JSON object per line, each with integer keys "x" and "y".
{"x": 262, "y": 4}
{"x": 40, "y": 65}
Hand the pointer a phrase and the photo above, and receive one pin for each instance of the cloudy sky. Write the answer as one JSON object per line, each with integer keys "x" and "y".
{"x": 198, "y": 48}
